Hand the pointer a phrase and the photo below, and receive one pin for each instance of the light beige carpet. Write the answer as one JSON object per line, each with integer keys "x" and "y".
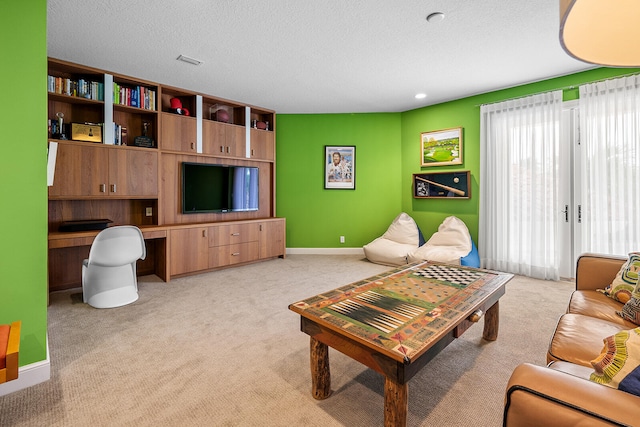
{"x": 222, "y": 349}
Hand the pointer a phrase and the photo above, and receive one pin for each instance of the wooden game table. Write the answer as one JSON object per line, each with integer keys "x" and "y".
{"x": 397, "y": 321}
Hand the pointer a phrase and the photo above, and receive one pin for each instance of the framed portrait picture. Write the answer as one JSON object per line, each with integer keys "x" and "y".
{"x": 441, "y": 147}
{"x": 340, "y": 167}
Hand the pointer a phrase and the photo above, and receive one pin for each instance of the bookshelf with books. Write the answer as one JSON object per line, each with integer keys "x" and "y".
{"x": 76, "y": 95}
{"x": 135, "y": 114}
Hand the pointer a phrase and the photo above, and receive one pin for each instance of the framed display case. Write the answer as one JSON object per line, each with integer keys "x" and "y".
{"x": 442, "y": 185}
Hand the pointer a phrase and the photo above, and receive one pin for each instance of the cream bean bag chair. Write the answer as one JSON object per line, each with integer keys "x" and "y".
{"x": 450, "y": 244}
{"x": 402, "y": 236}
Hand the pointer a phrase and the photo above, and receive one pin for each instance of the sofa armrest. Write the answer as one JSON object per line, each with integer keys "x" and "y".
{"x": 540, "y": 396}
{"x": 596, "y": 271}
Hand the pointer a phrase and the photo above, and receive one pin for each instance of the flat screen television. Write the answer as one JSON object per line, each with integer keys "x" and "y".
{"x": 218, "y": 188}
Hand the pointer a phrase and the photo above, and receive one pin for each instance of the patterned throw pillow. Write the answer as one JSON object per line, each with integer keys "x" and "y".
{"x": 625, "y": 281}
{"x": 618, "y": 365}
{"x": 631, "y": 310}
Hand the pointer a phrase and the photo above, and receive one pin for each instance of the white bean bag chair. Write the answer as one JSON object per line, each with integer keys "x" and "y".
{"x": 449, "y": 244}
{"x": 402, "y": 237}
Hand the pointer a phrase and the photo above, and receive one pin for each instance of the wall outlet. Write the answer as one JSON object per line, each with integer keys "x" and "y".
{"x": 149, "y": 211}
{"x": 341, "y": 239}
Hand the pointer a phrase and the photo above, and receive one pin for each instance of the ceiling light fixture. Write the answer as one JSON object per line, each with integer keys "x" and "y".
{"x": 435, "y": 17}
{"x": 604, "y": 33}
{"x": 189, "y": 60}
{"x": 421, "y": 95}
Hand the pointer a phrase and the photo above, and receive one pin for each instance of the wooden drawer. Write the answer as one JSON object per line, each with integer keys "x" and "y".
{"x": 231, "y": 234}
{"x": 220, "y": 256}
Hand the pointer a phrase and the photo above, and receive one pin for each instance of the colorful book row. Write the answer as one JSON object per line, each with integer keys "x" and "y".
{"x": 138, "y": 96}
{"x": 81, "y": 88}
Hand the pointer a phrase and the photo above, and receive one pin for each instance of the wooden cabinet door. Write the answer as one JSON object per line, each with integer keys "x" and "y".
{"x": 189, "y": 250}
{"x": 236, "y": 137}
{"x": 213, "y": 138}
{"x": 178, "y": 133}
{"x": 223, "y": 139}
{"x": 81, "y": 171}
{"x": 133, "y": 173}
{"x": 272, "y": 238}
{"x": 263, "y": 144}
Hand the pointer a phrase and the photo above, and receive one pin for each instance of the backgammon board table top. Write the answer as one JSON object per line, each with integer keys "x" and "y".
{"x": 402, "y": 311}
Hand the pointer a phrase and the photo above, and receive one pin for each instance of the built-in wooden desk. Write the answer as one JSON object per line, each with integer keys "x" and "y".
{"x": 175, "y": 250}
{"x": 68, "y": 249}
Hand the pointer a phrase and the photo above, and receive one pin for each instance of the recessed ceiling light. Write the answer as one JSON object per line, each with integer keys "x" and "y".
{"x": 421, "y": 95}
{"x": 189, "y": 60}
{"x": 435, "y": 17}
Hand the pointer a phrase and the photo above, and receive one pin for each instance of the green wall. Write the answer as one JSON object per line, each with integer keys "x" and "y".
{"x": 23, "y": 188}
{"x": 316, "y": 217}
{"x": 388, "y": 154}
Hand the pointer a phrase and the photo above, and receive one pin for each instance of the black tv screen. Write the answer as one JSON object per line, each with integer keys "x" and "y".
{"x": 218, "y": 188}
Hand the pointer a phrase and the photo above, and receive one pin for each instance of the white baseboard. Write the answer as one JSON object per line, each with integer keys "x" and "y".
{"x": 325, "y": 251}
{"x": 29, "y": 376}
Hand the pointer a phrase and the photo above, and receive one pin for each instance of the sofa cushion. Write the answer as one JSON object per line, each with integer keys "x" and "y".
{"x": 618, "y": 365}
{"x": 625, "y": 281}
{"x": 595, "y": 304}
{"x": 578, "y": 338}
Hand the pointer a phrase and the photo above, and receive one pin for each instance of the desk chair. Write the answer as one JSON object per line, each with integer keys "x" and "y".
{"x": 109, "y": 274}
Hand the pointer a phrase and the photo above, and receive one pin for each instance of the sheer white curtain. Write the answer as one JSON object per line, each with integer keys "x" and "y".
{"x": 519, "y": 161}
{"x": 609, "y": 155}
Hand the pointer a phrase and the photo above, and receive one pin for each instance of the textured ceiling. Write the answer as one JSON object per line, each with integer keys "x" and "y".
{"x": 331, "y": 56}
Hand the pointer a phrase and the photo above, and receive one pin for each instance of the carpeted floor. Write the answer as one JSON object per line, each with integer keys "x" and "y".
{"x": 222, "y": 349}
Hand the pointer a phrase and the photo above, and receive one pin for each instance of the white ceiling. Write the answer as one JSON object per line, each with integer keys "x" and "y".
{"x": 305, "y": 56}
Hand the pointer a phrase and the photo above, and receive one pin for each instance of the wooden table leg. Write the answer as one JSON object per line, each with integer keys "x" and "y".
{"x": 320, "y": 373}
{"x": 396, "y": 403}
{"x": 491, "y": 322}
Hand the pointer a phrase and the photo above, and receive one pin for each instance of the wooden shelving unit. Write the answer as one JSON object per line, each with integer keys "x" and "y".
{"x": 140, "y": 185}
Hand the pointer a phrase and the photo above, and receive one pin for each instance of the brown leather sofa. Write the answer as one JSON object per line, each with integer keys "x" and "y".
{"x": 560, "y": 394}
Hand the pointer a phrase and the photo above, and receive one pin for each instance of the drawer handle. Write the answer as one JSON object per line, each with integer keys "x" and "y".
{"x": 235, "y": 254}
{"x": 103, "y": 188}
{"x": 235, "y": 234}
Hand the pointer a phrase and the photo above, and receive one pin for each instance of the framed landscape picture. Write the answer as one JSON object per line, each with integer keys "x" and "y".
{"x": 340, "y": 167}
{"x": 441, "y": 147}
